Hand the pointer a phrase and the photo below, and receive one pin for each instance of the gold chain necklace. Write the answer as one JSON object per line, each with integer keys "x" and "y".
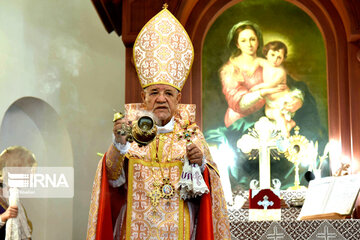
{"x": 164, "y": 189}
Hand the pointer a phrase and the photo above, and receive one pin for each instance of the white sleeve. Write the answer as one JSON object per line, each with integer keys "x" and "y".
{"x": 123, "y": 148}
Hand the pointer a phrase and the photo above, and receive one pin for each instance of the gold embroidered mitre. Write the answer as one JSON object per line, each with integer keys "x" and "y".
{"x": 163, "y": 52}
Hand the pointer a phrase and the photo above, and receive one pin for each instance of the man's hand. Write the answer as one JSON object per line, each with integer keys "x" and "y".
{"x": 11, "y": 212}
{"x": 194, "y": 154}
{"x": 119, "y": 128}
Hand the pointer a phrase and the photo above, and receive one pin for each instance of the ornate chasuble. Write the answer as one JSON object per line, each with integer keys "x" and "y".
{"x": 155, "y": 209}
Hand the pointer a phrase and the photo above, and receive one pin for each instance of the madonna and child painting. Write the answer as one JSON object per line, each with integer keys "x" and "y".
{"x": 263, "y": 59}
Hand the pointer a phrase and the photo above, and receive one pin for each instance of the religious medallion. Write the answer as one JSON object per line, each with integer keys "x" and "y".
{"x": 297, "y": 152}
{"x": 167, "y": 189}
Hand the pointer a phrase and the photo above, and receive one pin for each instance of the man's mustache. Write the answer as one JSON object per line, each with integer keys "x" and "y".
{"x": 161, "y": 107}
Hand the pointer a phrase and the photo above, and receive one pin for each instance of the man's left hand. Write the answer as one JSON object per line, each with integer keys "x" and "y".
{"x": 194, "y": 155}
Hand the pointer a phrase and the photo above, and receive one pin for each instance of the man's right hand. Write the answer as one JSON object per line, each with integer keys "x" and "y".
{"x": 119, "y": 127}
{"x": 11, "y": 212}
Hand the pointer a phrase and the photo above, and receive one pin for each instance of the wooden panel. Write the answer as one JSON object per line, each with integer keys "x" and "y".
{"x": 354, "y": 76}
{"x": 350, "y": 15}
{"x": 110, "y": 13}
{"x": 103, "y": 15}
{"x": 132, "y": 85}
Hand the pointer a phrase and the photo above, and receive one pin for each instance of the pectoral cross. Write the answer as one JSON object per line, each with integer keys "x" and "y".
{"x": 155, "y": 194}
{"x": 186, "y": 134}
{"x": 266, "y": 203}
{"x": 263, "y": 137}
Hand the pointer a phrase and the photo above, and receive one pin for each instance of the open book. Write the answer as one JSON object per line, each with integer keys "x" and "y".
{"x": 331, "y": 198}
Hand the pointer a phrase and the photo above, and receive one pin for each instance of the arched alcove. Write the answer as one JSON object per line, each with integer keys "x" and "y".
{"x": 34, "y": 124}
{"x": 329, "y": 22}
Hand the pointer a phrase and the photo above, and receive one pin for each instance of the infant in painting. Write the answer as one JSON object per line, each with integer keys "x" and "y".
{"x": 274, "y": 75}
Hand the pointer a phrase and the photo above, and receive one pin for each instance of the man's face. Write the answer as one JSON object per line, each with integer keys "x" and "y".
{"x": 162, "y": 100}
{"x": 276, "y": 57}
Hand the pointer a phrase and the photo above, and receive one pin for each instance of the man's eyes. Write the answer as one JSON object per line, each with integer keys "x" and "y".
{"x": 157, "y": 93}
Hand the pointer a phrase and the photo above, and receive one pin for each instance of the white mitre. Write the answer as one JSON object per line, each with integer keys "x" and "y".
{"x": 163, "y": 52}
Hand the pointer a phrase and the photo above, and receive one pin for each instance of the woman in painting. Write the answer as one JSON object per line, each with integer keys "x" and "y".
{"x": 241, "y": 73}
{"x": 244, "y": 71}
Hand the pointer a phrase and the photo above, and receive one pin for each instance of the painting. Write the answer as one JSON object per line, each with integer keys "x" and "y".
{"x": 263, "y": 58}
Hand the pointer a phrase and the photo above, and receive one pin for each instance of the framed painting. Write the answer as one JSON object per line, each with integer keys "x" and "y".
{"x": 264, "y": 58}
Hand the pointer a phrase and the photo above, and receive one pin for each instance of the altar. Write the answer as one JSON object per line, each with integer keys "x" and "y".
{"x": 289, "y": 227}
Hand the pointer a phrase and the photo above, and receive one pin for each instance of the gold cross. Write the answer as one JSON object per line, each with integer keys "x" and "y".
{"x": 155, "y": 194}
{"x": 186, "y": 134}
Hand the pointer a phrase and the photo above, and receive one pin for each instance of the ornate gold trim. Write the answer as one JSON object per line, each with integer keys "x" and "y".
{"x": 187, "y": 222}
{"x": 188, "y": 38}
{"x": 214, "y": 168}
{"x": 166, "y": 83}
{"x": 181, "y": 216}
{"x": 133, "y": 161}
{"x": 114, "y": 168}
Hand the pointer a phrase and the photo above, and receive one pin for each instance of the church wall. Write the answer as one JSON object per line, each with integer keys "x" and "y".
{"x": 56, "y": 52}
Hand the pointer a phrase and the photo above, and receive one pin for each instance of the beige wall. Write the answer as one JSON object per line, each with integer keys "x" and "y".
{"x": 61, "y": 76}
